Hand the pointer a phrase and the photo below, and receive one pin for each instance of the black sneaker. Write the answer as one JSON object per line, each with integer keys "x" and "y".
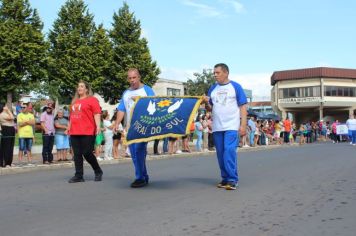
{"x": 139, "y": 183}
{"x": 76, "y": 179}
{"x": 231, "y": 186}
{"x": 222, "y": 184}
{"x": 98, "y": 177}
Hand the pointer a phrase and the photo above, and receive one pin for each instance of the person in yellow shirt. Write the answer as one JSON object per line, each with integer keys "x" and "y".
{"x": 25, "y": 123}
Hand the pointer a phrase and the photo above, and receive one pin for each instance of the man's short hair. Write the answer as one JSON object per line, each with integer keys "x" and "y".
{"x": 134, "y": 70}
{"x": 223, "y": 66}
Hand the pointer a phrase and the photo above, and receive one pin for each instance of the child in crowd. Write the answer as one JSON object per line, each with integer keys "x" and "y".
{"x": 108, "y": 135}
{"x": 199, "y": 132}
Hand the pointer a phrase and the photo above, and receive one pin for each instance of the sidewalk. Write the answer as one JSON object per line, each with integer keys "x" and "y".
{"x": 37, "y": 158}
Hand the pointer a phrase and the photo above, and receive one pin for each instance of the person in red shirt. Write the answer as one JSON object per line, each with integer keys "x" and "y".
{"x": 287, "y": 128}
{"x": 334, "y": 136}
{"x": 84, "y": 125}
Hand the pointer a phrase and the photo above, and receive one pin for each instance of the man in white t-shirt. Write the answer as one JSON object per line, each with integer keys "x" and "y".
{"x": 138, "y": 150}
{"x": 351, "y": 125}
{"x": 227, "y": 101}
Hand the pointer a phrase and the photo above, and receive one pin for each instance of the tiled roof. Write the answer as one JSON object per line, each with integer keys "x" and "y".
{"x": 317, "y": 72}
{"x": 257, "y": 104}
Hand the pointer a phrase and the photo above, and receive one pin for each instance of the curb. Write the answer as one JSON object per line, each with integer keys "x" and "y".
{"x": 150, "y": 157}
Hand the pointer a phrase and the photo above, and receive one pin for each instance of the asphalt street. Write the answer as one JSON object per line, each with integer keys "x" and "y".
{"x": 309, "y": 190}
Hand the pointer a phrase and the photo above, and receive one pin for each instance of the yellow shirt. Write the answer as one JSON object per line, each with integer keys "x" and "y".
{"x": 27, "y": 130}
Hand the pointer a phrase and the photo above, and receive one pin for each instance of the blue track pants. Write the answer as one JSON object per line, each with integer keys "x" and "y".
{"x": 138, "y": 155}
{"x": 226, "y": 143}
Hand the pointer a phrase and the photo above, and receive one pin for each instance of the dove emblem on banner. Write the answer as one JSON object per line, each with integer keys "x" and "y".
{"x": 151, "y": 108}
{"x": 175, "y": 106}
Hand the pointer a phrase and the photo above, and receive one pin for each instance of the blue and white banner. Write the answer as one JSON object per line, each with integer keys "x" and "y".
{"x": 159, "y": 117}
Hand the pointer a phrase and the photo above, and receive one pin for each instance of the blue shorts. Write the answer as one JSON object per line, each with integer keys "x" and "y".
{"x": 62, "y": 141}
{"x": 25, "y": 144}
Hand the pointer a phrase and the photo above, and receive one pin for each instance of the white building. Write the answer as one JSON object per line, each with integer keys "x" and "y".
{"x": 314, "y": 93}
{"x": 165, "y": 87}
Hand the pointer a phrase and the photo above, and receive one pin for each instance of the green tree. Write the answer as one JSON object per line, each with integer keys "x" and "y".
{"x": 130, "y": 50}
{"x": 22, "y": 47}
{"x": 72, "y": 53}
{"x": 200, "y": 84}
{"x": 102, "y": 56}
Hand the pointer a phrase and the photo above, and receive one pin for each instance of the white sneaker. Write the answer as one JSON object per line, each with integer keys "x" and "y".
{"x": 99, "y": 158}
{"x": 245, "y": 145}
{"x": 350, "y": 142}
{"x": 178, "y": 151}
{"x": 109, "y": 158}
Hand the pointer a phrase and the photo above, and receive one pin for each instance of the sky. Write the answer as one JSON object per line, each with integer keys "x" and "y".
{"x": 253, "y": 37}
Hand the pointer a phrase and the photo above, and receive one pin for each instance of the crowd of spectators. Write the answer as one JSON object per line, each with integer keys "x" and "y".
{"x": 109, "y": 143}
{"x": 276, "y": 132}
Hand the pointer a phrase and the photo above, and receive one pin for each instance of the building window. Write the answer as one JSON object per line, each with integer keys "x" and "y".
{"x": 300, "y": 92}
{"x": 173, "y": 92}
{"x": 307, "y": 92}
{"x": 285, "y": 93}
{"x": 316, "y": 91}
{"x": 335, "y": 91}
{"x": 340, "y": 92}
{"x": 292, "y": 92}
{"x": 346, "y": 92}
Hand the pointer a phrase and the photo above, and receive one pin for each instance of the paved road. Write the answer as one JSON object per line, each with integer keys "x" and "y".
{"x": 288, "y": 191}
